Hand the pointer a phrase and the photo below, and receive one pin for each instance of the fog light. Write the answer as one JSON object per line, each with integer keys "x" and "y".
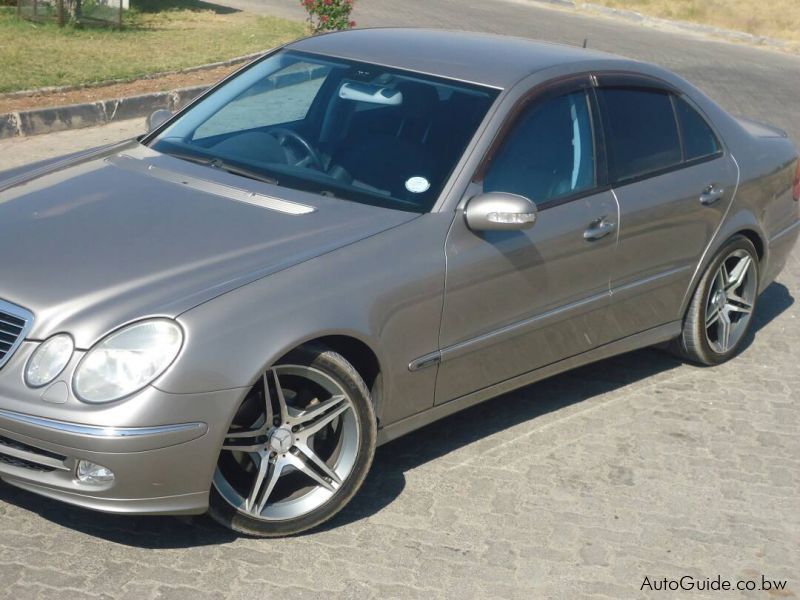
{"x": 89, "y": 472}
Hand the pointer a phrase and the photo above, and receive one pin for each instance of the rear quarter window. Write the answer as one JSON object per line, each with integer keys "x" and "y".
{"x": 699, "y": 139}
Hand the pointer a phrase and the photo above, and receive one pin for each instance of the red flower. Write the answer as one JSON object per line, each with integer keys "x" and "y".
{"x": 325, "y": 15}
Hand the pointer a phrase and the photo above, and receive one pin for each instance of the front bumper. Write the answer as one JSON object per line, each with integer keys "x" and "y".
{"x": 161, "y": 447}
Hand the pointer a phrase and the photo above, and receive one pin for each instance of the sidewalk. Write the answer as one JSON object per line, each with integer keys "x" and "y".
{"x": 19, "y": 151}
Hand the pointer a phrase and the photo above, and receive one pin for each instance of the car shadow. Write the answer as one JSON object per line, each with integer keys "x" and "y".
{"x": 774, "y": 301}
{"x": 386, "y": 480}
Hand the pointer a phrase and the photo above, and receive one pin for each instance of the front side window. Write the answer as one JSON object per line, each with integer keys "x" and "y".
{"x": 699, "y": 140}
{"x": 641, "y": 132}
{"x": 343, "y": 129}
{"x": 549, "y": 153}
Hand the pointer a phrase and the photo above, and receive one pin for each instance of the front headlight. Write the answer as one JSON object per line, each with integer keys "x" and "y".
{"x": 48, "y": 360}
{"x": 127, "y": 360}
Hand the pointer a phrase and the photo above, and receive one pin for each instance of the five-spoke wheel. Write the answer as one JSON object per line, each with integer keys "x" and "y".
{"x": 721, "y": 310}
{"x": 298, "y": 448}
{"x": 730, "y": 301}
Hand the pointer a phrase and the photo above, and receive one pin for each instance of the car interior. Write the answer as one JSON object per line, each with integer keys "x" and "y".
{"x": 389, "y": 138}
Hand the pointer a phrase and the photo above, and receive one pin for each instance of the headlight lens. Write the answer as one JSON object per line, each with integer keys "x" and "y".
{"x": 127, "y": 360}
{"x": 48, "y": 360}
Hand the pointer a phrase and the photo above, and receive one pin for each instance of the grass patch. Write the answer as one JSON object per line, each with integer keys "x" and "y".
{"x": 771, "y": 18}
{"x": 162, "y": 35}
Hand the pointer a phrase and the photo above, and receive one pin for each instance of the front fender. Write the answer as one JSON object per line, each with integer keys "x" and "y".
{"x": 385, "y": 291}
{"x": 17, "y": 175}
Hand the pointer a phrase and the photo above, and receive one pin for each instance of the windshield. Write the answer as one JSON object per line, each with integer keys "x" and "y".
{"x": 340, "y": 128}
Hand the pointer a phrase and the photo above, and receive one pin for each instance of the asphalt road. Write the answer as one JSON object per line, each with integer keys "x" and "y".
{"x": 759, "y": 83}
{"x": 576, "y": 487}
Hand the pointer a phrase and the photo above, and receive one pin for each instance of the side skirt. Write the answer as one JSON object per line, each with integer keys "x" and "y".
{"x": 657, "y": 335}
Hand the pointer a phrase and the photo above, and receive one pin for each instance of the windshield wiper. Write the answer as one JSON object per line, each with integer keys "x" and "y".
{"x": 218, "y": 163}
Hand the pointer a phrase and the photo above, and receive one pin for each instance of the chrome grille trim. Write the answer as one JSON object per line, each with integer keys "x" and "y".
{"x": 15, "y": 323}
{"x": 100, "y": 432}
{"x": 25, "y": 456}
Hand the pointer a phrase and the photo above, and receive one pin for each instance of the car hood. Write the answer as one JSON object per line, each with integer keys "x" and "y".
{"x": 105, "y": 239}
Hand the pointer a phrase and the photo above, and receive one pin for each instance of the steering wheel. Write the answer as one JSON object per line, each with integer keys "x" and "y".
{"x": 311, "y": 158}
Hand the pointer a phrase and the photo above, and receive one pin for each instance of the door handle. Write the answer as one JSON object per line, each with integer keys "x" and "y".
{"x": 599, "y": 228}
{"x": 711, "y": 195}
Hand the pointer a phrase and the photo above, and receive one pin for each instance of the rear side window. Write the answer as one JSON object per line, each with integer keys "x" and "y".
{"x": 698, "y": 138}
{"x": 641, "y": 132}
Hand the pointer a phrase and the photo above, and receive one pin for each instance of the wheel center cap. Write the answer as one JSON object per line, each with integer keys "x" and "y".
{"x": 720, "y": 300}
{"x": 281, "y": 440}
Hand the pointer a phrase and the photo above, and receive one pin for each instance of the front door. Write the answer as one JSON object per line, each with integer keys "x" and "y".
{"x": 519, "y": 300}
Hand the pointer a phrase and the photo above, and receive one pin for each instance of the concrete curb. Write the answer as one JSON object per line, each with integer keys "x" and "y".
{"x": 49, "y": 120}
{"x": 91, "y": 114}
{"x": 642, "y": 19}
{"x": 83, "y": 86}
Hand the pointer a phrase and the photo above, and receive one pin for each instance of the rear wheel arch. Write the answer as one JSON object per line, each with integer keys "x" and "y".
{"x": 755, "y": 238}
{"x": 742, "y": 224}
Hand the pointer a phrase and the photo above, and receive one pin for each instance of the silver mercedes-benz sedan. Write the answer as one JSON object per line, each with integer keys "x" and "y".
{"x": 351, "y": 237}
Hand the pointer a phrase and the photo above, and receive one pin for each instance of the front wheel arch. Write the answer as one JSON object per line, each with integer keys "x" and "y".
{"x": 326, "y": 363}
{"x": 362, "y": 357}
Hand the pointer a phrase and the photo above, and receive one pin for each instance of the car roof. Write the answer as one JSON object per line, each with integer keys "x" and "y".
{"x": 493, "y": 60}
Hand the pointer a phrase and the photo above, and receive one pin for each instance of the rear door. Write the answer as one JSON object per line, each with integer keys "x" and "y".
{"x": 673, "y": 181}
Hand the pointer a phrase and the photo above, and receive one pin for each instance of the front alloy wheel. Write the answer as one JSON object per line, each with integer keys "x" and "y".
{"x": 298, "y": 449}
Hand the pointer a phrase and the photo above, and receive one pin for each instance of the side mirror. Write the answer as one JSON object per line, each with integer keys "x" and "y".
{"x": 500, "y": 211}
{"x": 158, "y": 118}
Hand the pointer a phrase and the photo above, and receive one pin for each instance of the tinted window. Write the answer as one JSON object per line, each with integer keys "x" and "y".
{"x": 698, "y": 139}
{"x": 641, "y": 132}
{"x": 549, "y": 152}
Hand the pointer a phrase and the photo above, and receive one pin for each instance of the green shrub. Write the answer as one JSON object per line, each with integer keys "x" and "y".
{"x": 329, "y": 15}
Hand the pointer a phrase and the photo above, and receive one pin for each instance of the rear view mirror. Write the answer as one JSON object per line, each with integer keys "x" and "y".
{"x": 158, "y": 118}
{"x": 500, "y": 211}
{"x": 373, "y": 94}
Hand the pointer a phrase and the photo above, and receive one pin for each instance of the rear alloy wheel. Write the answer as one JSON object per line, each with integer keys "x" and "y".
{"x": 721, "y": 311}
{"x": 298, "y": 449}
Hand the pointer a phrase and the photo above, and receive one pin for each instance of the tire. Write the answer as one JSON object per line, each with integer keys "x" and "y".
{"x": 703, "y": 340}
{"x": 235, "y": 501}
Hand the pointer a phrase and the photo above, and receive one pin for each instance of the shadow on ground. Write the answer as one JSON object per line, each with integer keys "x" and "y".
{"x": 387, "y": 477}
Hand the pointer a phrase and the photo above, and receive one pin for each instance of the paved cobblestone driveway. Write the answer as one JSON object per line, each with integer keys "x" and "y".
{"x": 575, "y": 487}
